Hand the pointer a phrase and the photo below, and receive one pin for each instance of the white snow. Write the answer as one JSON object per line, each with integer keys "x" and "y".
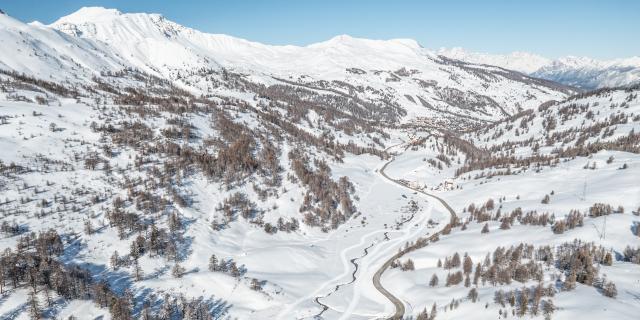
{"x": 301, "y": 266}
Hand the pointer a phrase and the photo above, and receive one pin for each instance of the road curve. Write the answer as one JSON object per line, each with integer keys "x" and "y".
{"x": 398, "y": 304}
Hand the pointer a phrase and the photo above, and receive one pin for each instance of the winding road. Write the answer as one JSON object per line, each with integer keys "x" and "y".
{"x": 420, "y": 243}
{"x": 398, "y": 304}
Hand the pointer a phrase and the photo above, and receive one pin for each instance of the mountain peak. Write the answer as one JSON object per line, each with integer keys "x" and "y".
{"x": 106, "y": 25}
{"x": 348, "y": 40}
{"x": 579, "y": 62}
{"x": 89, "y": 14}
{"x": 341, "y": 38}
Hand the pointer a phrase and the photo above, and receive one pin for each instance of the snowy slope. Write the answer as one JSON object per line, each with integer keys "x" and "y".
{"x": 585, "y": 174}
{"x": 396, "y": 72}
{"x": 150, "y": 39}
{"x": 399, "y": 67}
{"x": 49, "y": 54}
{"x": 148, "y": 147}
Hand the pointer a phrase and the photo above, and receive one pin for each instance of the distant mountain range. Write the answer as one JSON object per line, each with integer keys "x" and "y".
{"x": 580, "y": 72}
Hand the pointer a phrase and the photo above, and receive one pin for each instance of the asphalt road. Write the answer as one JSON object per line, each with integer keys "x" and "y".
{"x": 399, "y": 305}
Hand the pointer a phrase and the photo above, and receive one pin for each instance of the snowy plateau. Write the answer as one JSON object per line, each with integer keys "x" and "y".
{"x": 153, "y": 171}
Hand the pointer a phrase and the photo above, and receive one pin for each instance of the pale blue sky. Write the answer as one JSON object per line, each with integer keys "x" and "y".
{"x": 599, "y": 29}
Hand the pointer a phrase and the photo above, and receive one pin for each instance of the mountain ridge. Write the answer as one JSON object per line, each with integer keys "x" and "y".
{"x": 583, "y": 72}
{"x": 398, "y": 72}
{"x": 145, "y": 32}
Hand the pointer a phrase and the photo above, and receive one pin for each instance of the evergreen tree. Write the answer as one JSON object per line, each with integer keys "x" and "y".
{"x": 548, "y": 308}
{"x": 608, "y": 259}
{"x": 115, "y": 260}
{"x": 235, "y": 271}
{"x": 546, "y": 199}
{"x": 177, "y": 271}
{"x": 455, "y": 261}
{"x": 609, "y": 290}
{"x": 434, "y": 281}
{"x": 524, "y": 302}
{"x": 570, "y": 281}
{"x": 473, "y": 295}
{"x": 137, "y": 270}
{"x": 213, "y": 263}
{"x": 256, "y": 285}
{"x": 34, "y": 306}
{"x": 467, "y": 265}
{"x": 434, "y": 311}
{"x": 423, "y": 315}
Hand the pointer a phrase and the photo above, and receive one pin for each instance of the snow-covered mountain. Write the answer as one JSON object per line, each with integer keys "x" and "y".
{"x": 398, "y": 72}
{"x": 580, "y": 72}
{"x": 46, "y": 53}
{"x": 152, "y": 171}
{"x": 591, "y": 74}
{"x": 154, "y": 44}
{"x": 520, "y": 61}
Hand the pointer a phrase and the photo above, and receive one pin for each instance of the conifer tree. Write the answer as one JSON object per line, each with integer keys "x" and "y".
{"x": 213, "y": 263}
{"x": 434, "y": 281}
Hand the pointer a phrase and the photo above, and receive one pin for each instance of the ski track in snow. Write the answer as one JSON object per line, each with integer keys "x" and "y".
{"x": 380, "y": 253}
{"x": 345, "y": 264}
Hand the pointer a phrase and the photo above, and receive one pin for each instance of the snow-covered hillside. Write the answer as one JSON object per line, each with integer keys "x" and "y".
{"x": 152, "y": 171}
{"x": 399, "y": 73}
{"x": 580, "y": 72}
{"x": 560, "y": 176}
{"x": 48, "y": 54}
